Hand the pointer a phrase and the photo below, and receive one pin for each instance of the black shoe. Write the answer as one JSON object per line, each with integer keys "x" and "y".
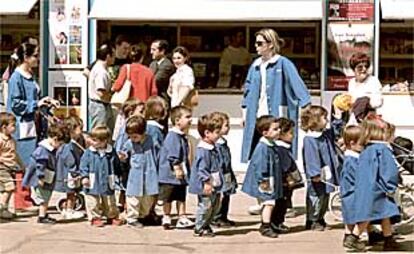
{"x": 229, "y": 222}
{"x": 266, "y": 230}
{"x": 375, "y": 237}
{"x": 317, "y": 227}
{"x": 280, "y": 229}
{"x": 46, "y": 220}
{"x": 308, "y": 225}
{"x": 207, "y": 232}
{"x": 352, "y": 243}
{"x": 390, "y": 244}
{"x": 223, "y": 223}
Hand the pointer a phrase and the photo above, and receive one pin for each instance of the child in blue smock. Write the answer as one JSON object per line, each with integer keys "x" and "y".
{"x": 264, "y": 175}
{"x": 155, "y": 112}
{"x": 68, "y": 160}
{"x": 352, "y": 136}
{"x": 206, "y": 181}
{"x": 40, "y": 174}
{"x": 129, "y": 108}
{"x": 226, "y": 171}
{"x": 376, "y": 180}
{"x": 143, "y": 177}
{"x": 288, "y": 165}
{"x": 98, "y": 167}
{"x": 174, "y": 168}
{"x": 320, "y": 163}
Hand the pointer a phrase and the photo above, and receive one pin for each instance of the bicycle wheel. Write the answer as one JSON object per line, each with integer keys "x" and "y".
{"x": 335, "y": 208}
{"x": 407, "y": 207}
{"x": 61, "y": 204}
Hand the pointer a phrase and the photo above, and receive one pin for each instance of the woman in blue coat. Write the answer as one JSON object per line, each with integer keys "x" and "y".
{"x": 273, "y": 87}
{"x": 24, "y": 99}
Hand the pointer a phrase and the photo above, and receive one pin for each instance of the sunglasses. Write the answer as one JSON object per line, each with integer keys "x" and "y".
{"x": 260, "y": 43}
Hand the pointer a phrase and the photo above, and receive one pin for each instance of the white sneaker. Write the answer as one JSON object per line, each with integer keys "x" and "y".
{"x": 73, "y": 215}
{"x": 184, "y": 222}
{"x": 166, "y": 222}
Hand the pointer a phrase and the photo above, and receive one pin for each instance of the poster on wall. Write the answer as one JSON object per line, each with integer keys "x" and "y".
{"x": 350, "y": 29}
{"x": 69, "y": 88}
{"x": 68, "y": 33}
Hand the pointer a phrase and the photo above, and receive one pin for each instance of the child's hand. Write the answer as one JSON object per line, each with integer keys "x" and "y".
{"x": 179, "y": 173}
{"x": 122, "y": 156}
{"x": 85, "y": 182}
{"x": 265, "y": 185}
{"x": 41, "y": 182}
{"x": 208, "y": 188}
{"x": 316, "y": 179}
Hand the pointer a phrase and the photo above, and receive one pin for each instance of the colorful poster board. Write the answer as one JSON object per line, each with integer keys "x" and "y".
{"x": 69, "y": 88}
{"x": 350, "y": 29}
{"x": 68, "y": 31}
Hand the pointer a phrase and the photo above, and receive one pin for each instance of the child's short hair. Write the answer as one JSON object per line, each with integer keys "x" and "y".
{"x": 155, "y": 108}
{"x": 136, "y": 125}
{"x": 58, "y": 131}
{"x": 352, "y": 133}
{"x": 264, "y": 122}
{"x": 130, "y": 106}
{"x": 310, "y": 117}
{"x": 178, "y": 112}
{"x": 285, "y": 125}
{"x": 6, "y": 118}
{"x": 374, "y": 128}
{"x": 209, "y": 122}
{"x": 73, "y": 122}
{"x": 221, "y": 115}
{"x": 101, "y": 133}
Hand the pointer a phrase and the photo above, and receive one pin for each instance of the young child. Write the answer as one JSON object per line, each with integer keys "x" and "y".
{"x": 40, "y": 174}
{"x": 264, "y": 176}
{"x": 174, "y": 168}
{"x": 288, "y": 165}
{"x": 9, "y": 163}
{"x": 320, "y": 163}
{"x": 68, "y": 160}
{"x": 352, "y": 136}
{"x": 205, "y": 179}
{"x": 130, "y": 108}
{"x": 143, "y": 177}
{"x": 226, "y": 170}
{"x": 99, "y": 164}
{"x": 376, "y": 180}
{"x": 155, "y": 112}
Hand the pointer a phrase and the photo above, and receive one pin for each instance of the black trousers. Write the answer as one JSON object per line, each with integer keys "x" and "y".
{"x": 281, "y": 206}
{"x": 224, "y": 207}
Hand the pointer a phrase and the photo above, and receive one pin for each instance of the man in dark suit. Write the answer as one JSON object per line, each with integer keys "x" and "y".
{"x": 162, "y": 67}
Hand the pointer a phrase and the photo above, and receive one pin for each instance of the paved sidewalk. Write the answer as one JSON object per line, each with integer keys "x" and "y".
{"x": 26, "y": 236}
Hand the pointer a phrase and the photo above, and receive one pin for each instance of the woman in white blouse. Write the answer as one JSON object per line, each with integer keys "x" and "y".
{"x": 364, "y": 84}
{"x": 182, "y": 81}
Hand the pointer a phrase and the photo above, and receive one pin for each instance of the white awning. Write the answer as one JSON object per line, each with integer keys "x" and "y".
{"x": 207, "y": 10}
{"x": 16, "y": 7}
{"x": 397, "y": 9}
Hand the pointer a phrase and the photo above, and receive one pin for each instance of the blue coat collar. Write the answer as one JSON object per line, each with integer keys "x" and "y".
{"x": 176, "y": 130}
{"x": 283, "y": 144}
{"x": 272, "y": 60}
{"x": 155, "y": 123}
{"x": 44, "y": 143}
{"x": 266, "y": 141}
{"x": 313, "y": 134}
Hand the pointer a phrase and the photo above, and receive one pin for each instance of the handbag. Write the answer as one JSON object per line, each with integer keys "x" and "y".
{"x": 120, "y": 97}
{"x": 191, "y": 100}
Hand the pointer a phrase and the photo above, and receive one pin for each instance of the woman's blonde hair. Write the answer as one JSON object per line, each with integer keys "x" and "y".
{"x": 311, "y": 116}
{"x": 272, "y": 37}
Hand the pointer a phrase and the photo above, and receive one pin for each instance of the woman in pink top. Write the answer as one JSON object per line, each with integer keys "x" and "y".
{"x": 142, "y": 79}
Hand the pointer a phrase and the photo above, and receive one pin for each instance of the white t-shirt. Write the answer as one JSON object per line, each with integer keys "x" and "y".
{"x": 99, "y": 79}
{"x": 263, "y": 108}
{"x": 183, "y": 76}
{"x": 371, "y": 88}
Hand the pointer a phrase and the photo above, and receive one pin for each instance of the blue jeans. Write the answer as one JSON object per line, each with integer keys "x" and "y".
{"x": 206, "y": 209}
{"x": 316, "y": 202}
